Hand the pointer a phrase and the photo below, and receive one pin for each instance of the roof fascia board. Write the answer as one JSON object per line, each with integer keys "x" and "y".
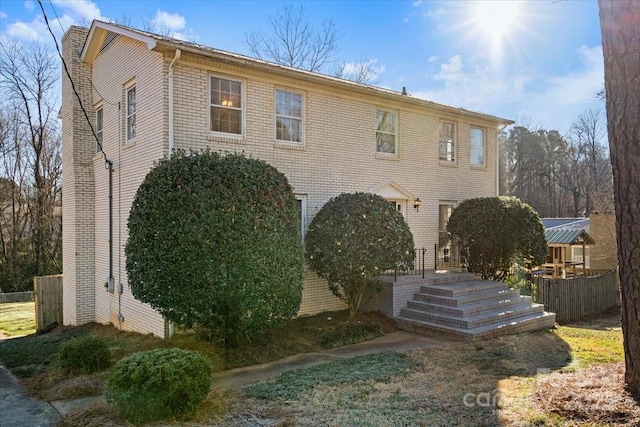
{"x": 98, "y": 32}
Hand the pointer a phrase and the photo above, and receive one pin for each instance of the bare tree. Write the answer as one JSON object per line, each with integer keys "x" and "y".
{"x": 30, "y": 76}
{"x": 587, "y": 136}
{"x": 620, "y": 36}
{"x": 366, "y": 71}
{"x": 293, "y": 41}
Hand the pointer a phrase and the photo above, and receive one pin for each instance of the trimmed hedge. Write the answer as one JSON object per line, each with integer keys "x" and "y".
{"x": 352, "y": 240}
{"x": 84, "y": 355}
{"x": 159, "y": 384}
{"x": 496, "y": 231}
{"x": 215, "y": 241}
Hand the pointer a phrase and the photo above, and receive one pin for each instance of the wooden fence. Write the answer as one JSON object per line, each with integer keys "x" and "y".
{"x": 48, "y": 295}
{"x": 579, "y": 297}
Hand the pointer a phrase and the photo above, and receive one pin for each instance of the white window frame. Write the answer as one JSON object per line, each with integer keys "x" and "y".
{"x": 385, "y": 132}
{"x": 242, "y": 108}
{"x": 99, "y": 128}
{"x": 131, "y": 116}
{"x": 471, "y": 146}
{"x": 300, "y": 118}
{"x": 450, "y": 156}
{"x": 303, "y": 214}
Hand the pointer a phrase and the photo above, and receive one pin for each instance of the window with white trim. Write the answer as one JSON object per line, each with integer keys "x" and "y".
{"x": 447, "y": 142}
{"x": 131, "y": 112}
{"x": 99, "y": 121}
{"x": 288, "y": 116}
{"x": 477, "y": 147}
{"x": 302, "y": 214}
{"x": 386, "y": 132}
{"x": 225, "y": 106}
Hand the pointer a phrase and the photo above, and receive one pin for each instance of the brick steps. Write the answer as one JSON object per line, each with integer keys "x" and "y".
{"x": 472, "y": 309}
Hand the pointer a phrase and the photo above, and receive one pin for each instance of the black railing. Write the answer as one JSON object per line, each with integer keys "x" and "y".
{"x": 449, "y": 256}
{"x": 411, "y": 268}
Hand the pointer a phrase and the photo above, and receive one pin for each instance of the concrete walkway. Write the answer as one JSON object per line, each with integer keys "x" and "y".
{"x": 19, "y": 410}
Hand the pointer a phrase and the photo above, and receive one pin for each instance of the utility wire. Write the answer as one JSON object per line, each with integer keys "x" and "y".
{"x": 78, "y": 57}
{"x": 108, "y": 162}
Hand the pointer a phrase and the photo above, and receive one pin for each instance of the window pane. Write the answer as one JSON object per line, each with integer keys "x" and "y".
{"x": 131, "y": 127}
{"x": 386, "y": 143}
{"x": 386, "y": 121}
{"x": 477, "y": 146}
{"x": 226, "y": 103}
{"x": 131, "y": 101}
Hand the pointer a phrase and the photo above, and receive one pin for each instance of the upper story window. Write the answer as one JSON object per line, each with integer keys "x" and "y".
{"x": 99, "y": 118}
{"x": 386, "y": 132}
{"x": 131, "y": 113}
{"x": 288, "y": 116}
{"x": 477, "y": 147}
{"x": 225, "y": 106}
{"x": 447, "y": 142}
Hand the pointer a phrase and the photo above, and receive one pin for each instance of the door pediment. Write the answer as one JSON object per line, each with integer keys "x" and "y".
{"x": 391, "y": 190}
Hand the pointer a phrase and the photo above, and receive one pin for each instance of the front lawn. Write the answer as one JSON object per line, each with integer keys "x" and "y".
{"x": 18, "y": 318}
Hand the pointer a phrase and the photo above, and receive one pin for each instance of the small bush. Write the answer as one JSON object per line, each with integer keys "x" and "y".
{"x": 158, "y": 384}
{"x": 84, "y": 355}
{"x": 350, "y": 334}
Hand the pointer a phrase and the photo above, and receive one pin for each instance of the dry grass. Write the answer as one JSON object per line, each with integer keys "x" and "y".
{"x": 595, "y": 394}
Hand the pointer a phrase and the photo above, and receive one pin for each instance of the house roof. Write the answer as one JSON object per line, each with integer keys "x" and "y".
{"x": 568, "y": 236}
{"x": 101, "y": 33}
{"x": 572, "y": 223}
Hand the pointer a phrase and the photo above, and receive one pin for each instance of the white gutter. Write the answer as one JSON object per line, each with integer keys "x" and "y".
{"x": 175, "y": 58}
{"x": 500, "y": 129}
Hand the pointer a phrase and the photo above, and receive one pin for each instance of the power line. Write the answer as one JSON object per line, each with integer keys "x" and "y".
{"x": 108, "y": 162}
{"x": 78, "y": 57}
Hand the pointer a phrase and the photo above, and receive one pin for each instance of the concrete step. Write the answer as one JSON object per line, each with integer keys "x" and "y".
{"x": 455, "y": 289}
{"x": 498, "y": 302}
{"x": 476, "y": 320}
{"x": 469, "y": 298}
{"x": 526, "y": 323}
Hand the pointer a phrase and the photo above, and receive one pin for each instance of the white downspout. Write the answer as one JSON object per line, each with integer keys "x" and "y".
{"x": 175, "y": 58}
{"x": 500, "y": 129}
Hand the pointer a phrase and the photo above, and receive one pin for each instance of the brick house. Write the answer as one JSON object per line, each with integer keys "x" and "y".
{"x": 146, "y": 94}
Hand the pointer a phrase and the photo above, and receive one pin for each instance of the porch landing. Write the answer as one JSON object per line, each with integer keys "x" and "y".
{"x": 460, "y": 304}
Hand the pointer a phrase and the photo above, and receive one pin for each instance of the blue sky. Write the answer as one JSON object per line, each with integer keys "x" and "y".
{"x": 538, "y": 62}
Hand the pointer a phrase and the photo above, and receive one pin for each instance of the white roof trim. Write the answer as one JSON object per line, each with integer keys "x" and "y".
{"x": 393, "y": 191}
{"x": 98, "y": 32}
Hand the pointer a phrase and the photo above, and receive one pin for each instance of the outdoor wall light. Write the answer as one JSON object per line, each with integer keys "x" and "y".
{"x": 416, "y": 204}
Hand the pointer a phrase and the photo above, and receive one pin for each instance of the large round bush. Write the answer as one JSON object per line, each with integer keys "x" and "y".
{"x": 496, "y": 231}
{"x": 352, "y": 240}
{"x": 215, "y": 241}
{"x": 158, "y": 384}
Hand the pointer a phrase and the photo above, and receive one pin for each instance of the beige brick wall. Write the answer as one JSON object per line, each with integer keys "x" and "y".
{"x": 122, "y": 64}
{"x": 338, "y": 155}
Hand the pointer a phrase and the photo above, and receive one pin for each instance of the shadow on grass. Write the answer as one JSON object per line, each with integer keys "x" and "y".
{"x": 458, "y": 384}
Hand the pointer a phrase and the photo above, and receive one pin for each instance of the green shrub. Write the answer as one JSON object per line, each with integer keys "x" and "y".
{"x": 352, "y": 333}
{"x": 352, "y": 240}
{"x": 215, "y": 241}
{"x": 495, "y": 232}
{"x": 84, "y": 355}
{"x": 158, "y": 384}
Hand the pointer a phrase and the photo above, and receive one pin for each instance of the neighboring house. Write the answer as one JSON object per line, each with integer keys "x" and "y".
{"x": 147, "y": 95}
{"x": 569, "y": 246}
